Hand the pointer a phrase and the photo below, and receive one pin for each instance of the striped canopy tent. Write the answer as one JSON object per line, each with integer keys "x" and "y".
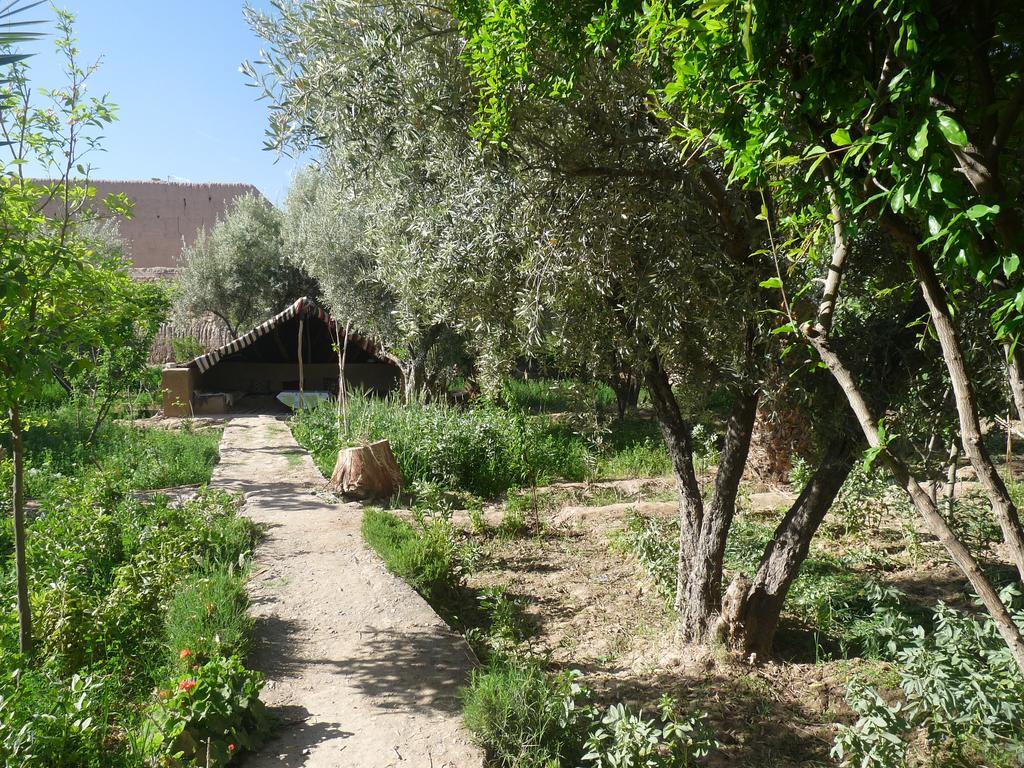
{"x": 296, "y": 349}
{"x": 304, "y": 307}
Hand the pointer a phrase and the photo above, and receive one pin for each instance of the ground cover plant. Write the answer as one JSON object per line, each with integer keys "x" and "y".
{"x": 141, "y": 627}
{"x": 65, "y": 443}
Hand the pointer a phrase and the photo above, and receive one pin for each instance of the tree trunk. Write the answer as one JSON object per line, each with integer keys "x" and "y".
{"x": 751, "y": 608}
{"x": 414, "y": 372}
{"x": 676, "y": 432}
{"x": 20, "y": 565}
{"x": 967, "y": 409}
{"x": 627, "y": 392}
{"x": 1008, "y": 630}
{"x": 699, "y": 587}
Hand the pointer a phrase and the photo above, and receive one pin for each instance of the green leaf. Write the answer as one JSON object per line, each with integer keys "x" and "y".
{"x": 952, "y": 131}
{"x": 1011, "y": 264}
{"x": 841, "y": 137}
{"x": 935, "y": 181}
{"x": 979, "y": 211}
{"x": 787, "y": 328}
{"x": 920, "y": 144}
{"x": 771, "y": 282}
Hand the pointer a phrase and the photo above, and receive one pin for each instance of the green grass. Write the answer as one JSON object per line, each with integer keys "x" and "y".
{"x": 427, "y": 557}
{"x": 56, "y": 449}
{"x": 208, "y": 615}
{"x": 484, "y": 450}
{"x": 556, "y": 395}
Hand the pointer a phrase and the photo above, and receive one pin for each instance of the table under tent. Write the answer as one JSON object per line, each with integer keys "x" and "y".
{"x": 291, "y": 356}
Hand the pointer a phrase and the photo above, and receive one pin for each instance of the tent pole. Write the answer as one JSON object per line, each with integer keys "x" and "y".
{"x": 342, "y": 384}
{"x": 302, "y": 403}
{"x": 341, "y": 373}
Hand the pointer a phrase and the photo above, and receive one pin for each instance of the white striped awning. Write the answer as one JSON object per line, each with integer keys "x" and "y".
{"x": 304, "y": 305}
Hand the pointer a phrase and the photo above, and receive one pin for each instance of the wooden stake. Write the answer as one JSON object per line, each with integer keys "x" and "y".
{"x": 302, "y": 383}
{"x": 341, "y": 373}
{"x": 342, "y": 385}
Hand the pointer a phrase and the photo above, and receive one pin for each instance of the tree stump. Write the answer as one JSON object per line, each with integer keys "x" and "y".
{"x": 367, "y": 472}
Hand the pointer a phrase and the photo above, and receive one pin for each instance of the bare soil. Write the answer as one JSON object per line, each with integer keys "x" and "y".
{"x": 591, "y": 607}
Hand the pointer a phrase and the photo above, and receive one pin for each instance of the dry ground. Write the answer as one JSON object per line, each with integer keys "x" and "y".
{"x": 590, "y": 606}
{"x": 360, "y": 670}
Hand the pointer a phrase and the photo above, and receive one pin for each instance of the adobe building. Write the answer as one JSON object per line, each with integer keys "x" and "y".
{"x": 168, "y": 215}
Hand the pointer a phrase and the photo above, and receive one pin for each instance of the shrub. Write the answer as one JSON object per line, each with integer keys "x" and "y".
{"x": 668, "y": 740}
{"x": 961, "y": 695}
{"x": 209, "y": 715}
{"x": 525, "y": 717}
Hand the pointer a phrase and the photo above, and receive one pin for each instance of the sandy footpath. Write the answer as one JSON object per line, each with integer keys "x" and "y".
{"x": 360, "y": 670}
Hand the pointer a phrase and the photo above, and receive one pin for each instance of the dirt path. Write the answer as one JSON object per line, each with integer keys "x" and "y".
{"x": 360, "y": 670}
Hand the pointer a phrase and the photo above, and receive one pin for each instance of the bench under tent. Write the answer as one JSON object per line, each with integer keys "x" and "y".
{"x": 293, "y": 351}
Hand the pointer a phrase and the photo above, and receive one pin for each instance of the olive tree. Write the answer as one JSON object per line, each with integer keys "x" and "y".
{"x": 851, "y": 124}
{"x": 402, "y": 217}
{"x": 238, "y": 270}
{"x": 580, "y": 223}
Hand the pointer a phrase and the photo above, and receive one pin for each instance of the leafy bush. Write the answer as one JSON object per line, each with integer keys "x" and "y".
{"x": 209, "y": 715}
{"x": 625, "y": 738}
{"x": 960, "y": 694}
{"x": 48, "y": 720}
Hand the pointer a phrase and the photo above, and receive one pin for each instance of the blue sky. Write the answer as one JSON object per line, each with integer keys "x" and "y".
{"x": 184, "y": 109}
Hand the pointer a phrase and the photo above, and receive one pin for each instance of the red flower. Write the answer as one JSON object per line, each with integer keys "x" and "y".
{"x": 187, "y": 685}
{"x": 231, "y": 747}
{"x": 185, "y": 653}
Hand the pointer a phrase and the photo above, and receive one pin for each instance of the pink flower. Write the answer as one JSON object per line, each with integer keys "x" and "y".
{"x": 187, "y": 685}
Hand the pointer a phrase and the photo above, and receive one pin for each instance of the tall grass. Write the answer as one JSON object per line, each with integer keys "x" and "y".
{"x": 483, "y": 449}
{"x": 556, "y": 395}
